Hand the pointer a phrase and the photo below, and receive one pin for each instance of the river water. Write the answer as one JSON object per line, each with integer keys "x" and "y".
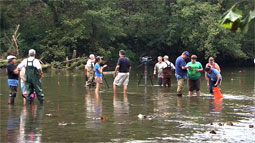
{"x": 73, "y": 113}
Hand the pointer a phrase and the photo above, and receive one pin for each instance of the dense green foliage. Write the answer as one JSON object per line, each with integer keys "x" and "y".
{"x": 142, "y": 27}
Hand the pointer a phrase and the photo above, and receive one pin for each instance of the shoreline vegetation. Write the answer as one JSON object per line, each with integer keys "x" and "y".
{"x": 71, "y": 28}
{"x": 76, "y": 63}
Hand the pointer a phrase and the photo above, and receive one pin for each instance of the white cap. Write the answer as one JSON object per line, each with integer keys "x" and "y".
{"x": 165, "y": 57}
{"x": 31, "y": 52}
{"x": 11, "y": 57}
{"x": 91, "y": 56}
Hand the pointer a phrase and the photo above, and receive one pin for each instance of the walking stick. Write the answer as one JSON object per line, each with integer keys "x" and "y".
{"x": 106, "y": 82}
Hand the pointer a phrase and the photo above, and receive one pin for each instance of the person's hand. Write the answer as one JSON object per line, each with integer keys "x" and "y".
{"x": 104, "y": 66}
{"x": 187, "y": 66}
{"x": 154, "y": 73}
{"x": 41, "y": 76}
{"x": 215, "y": 85}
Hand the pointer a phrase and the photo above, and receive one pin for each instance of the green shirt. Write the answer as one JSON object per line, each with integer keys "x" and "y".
{"x": 193, "y": 74}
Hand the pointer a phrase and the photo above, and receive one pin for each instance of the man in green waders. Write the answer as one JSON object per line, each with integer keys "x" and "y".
{"x": 33, "y": 76}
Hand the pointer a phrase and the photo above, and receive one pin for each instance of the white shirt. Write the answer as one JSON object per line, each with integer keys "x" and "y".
{"x": 168, "y": 63}
{"x": 90, "y": 63}
{"x": 36, "y": 63}
{"x": 159, "y": 67}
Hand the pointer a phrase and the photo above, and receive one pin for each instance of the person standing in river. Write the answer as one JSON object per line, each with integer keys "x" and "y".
{"x": 121, "y": 73}
{"x": 194, "y": 75}
{"x": 213, "y": 65}
{"x": 181, "y": 71}
{"x": 99, "y": 73}
{"x": 168, "y": 67}
{"x": 33, "y": 76}
{"x": 158, "y": 69}
{"x": 214, "y": 78}
{"x": 13, "y": 78}
{"x": 90, "y": 71}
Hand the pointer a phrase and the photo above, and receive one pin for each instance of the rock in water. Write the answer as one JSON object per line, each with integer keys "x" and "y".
{"x": 229, "y": 123}
{"x": 212, "y": 132}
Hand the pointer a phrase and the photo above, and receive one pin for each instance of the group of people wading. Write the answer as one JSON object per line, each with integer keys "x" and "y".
{"x": 94, "y": 72}
{"x": 30, "y": 71}
{"x": 190, "y": 71}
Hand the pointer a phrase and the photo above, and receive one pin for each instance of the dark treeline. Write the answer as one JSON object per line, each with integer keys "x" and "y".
{"x": 55, "y": 28}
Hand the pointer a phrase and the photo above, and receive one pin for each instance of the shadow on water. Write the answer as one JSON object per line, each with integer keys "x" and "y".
{"x": 73, "y": 113}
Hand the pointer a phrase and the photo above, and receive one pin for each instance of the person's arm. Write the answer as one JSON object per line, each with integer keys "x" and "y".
{"x": 41, "y": 73}
{"x": 22, "y": 75}
{"x": 218, "y": 80}
{"x": 172, "y": 66}
{"x": 185, "y": 66}
{"x": 155, "y": 69}
{"x": 15, "y": 71}
{"x": 20, "y": 66}
{"x": 39, "y": 67}
{"x": 101, "y": 69}
{"x": 200, "y": 69}
{"x": 217, "y": 67}
{"x": 116, "y": 70}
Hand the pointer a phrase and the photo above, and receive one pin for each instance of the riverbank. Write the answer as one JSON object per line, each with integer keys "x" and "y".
{"x": 77, "y": 63}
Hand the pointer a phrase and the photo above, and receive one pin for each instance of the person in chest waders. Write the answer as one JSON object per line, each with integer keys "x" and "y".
{"x": 33, "y": 76}
{"x": 168, "y": 67}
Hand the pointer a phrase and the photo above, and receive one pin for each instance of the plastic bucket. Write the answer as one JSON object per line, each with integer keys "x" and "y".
{"x": 217, "y": 92}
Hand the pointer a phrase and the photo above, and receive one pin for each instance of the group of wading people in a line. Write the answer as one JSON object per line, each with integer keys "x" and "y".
{"x": 30, "y": 71}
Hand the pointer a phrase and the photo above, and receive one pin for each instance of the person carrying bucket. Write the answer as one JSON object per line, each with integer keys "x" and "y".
{"x": 214, "y": 78}
{"x": 33, "y": 76}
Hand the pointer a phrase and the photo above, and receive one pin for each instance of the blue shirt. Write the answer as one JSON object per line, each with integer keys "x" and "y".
{"x": 213, "y": 75}
{"x": 97, "y": 66}
{"x": 179, "y": 63}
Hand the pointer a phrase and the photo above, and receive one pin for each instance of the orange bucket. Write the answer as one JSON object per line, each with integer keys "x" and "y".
{"x": 217, "y": 92}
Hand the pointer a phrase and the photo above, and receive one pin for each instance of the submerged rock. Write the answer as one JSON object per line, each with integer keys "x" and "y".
{"x": 220, "y": 124}
{"x": 251, "y": 126}
{"x": 212, "y": 132}
{"x": 229, "y": 123}
{"x": 62, "y": 124}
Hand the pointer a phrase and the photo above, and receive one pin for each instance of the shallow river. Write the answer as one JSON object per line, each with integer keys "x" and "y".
{"x": 73, "y": 113}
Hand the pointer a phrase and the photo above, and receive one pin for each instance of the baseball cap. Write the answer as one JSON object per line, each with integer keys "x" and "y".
{"x": 186, "y": 53}
{"x": 31, "y": 52}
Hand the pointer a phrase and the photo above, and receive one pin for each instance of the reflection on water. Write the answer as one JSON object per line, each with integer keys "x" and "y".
{"x": 13, "y": 125}
{"x": 26, "y": 127}
{"x": 93, "y": 107}
{"x": 74, "y": 113}
{"x": 120, "y": 110}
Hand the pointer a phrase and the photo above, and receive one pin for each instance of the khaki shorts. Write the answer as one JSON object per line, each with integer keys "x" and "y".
{"x": 99, "y": 80}
{"x": 121, "y": 79}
